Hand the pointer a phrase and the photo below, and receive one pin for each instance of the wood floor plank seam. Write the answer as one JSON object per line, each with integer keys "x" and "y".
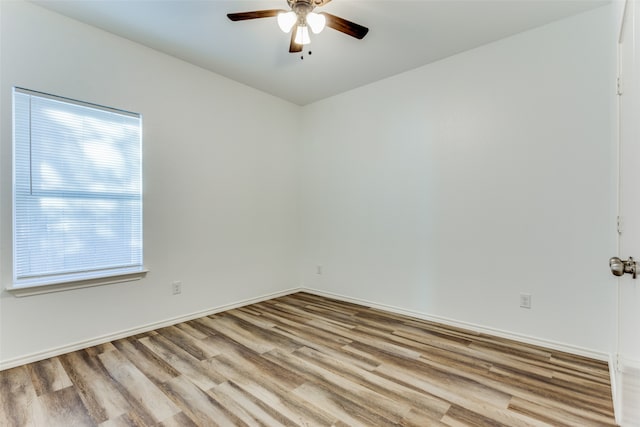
{"x": 308, "y": 360}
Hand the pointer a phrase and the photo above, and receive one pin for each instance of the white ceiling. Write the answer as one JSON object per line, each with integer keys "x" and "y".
{"x": 402, "y": 35}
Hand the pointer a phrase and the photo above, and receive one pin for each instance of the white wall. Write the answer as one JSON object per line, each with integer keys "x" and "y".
{"x": 446, "y": 191}
{"x": 220, "y": 192}
{"x": 451, "y": 189}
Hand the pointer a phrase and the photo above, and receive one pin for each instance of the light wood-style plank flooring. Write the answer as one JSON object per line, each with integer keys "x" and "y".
{"x": 305, "y": 360}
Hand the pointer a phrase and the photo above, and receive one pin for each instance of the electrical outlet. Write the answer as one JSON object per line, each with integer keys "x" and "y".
{"x": 176, "y": 287}
{"x": 525, "y": 300}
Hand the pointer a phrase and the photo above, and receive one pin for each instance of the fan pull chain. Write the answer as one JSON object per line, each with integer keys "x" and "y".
{"x": 302, "y": 56}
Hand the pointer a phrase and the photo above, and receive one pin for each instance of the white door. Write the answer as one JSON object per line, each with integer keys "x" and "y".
{"x": 628, "y": 387}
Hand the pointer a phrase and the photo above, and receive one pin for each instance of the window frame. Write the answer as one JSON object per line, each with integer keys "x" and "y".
{"x": 80, "y": 278}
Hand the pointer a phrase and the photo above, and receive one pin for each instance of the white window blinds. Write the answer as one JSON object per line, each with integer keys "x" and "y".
{"x": 77, "y": 190}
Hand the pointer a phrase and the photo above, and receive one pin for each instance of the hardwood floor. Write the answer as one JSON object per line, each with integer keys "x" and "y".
{"x": 304, "y": 360}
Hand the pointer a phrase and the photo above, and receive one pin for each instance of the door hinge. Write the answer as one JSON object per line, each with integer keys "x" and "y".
{"x": 619, "y": 85}
{"x": 619, "y": 224}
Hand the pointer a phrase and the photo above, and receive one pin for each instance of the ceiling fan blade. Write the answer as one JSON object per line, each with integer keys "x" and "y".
{"x": 350, "y": 28}
{"x": 243, "y": 16}
{"x": 293, "y": 46}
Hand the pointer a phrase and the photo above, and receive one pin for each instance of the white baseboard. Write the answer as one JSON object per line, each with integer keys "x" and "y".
{"x": 552, "y": 345}
{"x": 57, "y": 351}
{"x": 34, "y": 357}
{"x": 614, "y": 377}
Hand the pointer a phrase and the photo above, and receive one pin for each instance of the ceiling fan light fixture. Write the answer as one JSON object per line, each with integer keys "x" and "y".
{"x": 300, "y": 18}
{"x": 302, "y": 35}
{"x": 287, "y": 20}
{"x": 316, "y": 21}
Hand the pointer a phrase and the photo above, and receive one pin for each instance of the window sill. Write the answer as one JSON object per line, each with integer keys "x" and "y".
{"x": 28, "y": 290}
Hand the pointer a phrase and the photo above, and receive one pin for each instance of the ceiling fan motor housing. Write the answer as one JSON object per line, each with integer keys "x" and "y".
{"x": 312, "y": 3}
{"x": 302, "y": 8}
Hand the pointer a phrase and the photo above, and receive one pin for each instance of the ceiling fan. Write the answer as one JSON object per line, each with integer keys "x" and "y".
{"x": 302, "y": 17}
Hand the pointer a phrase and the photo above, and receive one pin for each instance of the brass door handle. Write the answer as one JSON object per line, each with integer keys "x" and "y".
{"x": 619, "y": 266}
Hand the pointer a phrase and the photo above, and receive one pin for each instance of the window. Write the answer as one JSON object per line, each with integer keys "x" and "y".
{"x": 77, "y": 191}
